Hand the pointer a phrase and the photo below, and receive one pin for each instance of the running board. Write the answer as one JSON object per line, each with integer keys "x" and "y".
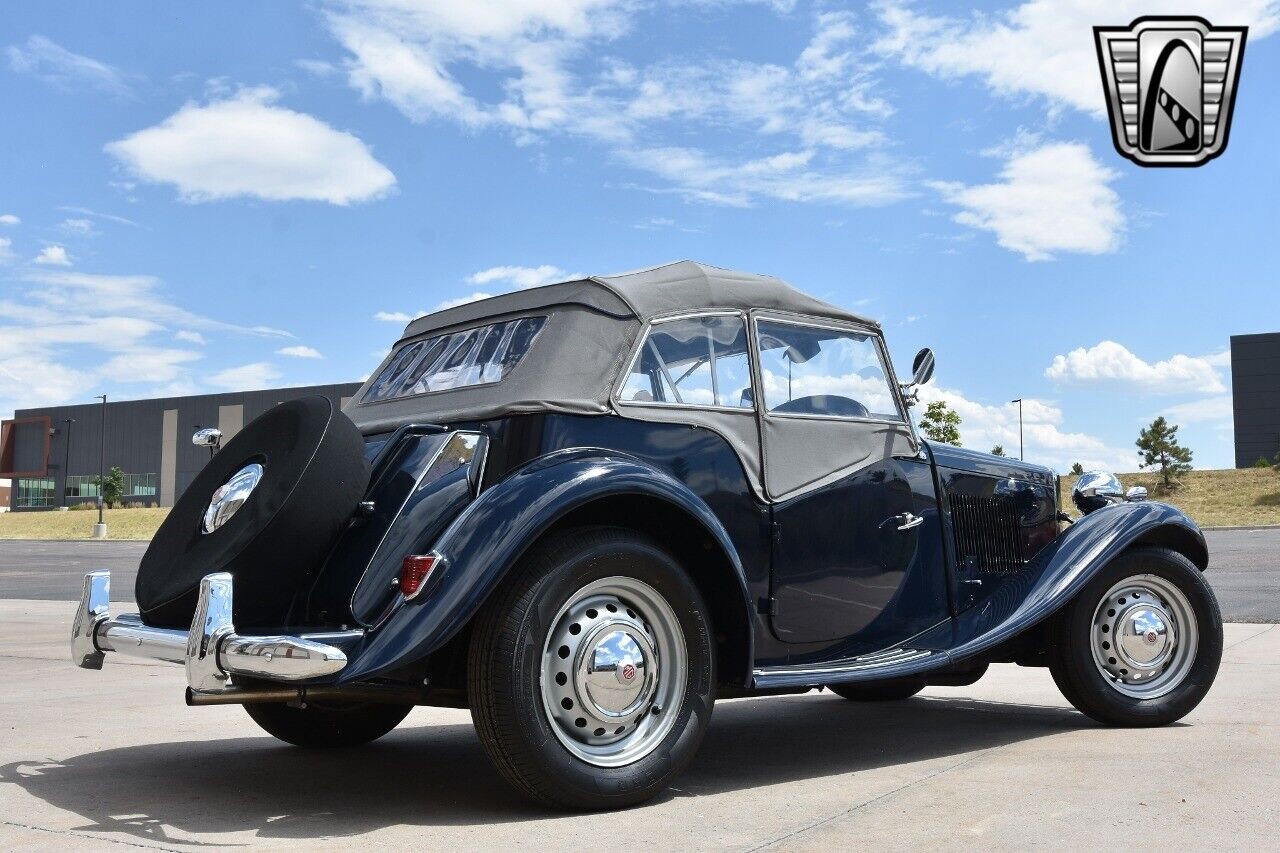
{"x": 890, "y": 663}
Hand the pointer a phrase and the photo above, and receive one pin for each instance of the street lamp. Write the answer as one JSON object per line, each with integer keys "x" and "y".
{"x": 1021, "y": 450}
{"x": 66, "y": 459}
{"x": 100, "y": 529}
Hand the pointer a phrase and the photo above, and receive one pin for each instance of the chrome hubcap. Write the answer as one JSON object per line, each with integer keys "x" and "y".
{"x": 613, "y": 671}
{"x": 1144, "y": 636}
{"x": 230, "y": 496}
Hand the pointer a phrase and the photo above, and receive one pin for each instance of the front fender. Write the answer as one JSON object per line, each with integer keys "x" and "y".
{"x": 1064, "y": 567}
{"x": 490, "y": 535}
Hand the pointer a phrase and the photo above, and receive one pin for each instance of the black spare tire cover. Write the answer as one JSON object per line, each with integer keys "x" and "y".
{"x": 314, "y": 475}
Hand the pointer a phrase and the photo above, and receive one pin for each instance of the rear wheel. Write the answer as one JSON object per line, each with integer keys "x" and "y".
{"x": 884, "y": 691}
{"x": 327, "y": 724}
{"x": 1140, "y": 645}
{"x": 591, "y": 671}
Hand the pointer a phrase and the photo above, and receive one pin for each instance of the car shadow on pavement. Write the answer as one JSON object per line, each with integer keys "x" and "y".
{"x": 438, "y": 775}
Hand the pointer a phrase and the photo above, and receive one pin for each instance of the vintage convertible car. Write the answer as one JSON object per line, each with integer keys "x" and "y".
{"x": 588, "y": 510}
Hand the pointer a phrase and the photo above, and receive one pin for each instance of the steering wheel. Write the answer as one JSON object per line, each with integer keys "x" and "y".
{"x": 824, "y": 404}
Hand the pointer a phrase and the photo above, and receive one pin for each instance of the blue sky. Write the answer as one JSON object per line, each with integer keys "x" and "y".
{"x": 226, "y": 196}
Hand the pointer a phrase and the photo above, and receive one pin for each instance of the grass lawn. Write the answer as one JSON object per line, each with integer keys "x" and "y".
{"x": 1227, "y": 498}
{"x": 78, "y": 524}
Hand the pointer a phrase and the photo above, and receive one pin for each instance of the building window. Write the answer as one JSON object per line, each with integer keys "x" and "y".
{"x": 135, "y": 486}
{"x": 33, "y": 493}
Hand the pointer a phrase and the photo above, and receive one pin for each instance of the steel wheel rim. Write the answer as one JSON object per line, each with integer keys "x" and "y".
{"x": 1144, "y": 636}
{"x": 614, "y": 668}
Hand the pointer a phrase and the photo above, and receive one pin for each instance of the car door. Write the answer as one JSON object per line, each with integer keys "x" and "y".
{"x": 857, "y": 550}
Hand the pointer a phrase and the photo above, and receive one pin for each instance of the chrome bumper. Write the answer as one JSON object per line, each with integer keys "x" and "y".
{"x": 211, "y": 650}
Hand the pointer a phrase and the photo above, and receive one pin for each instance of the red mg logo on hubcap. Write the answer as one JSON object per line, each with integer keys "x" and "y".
{"x": 628, "y": 671}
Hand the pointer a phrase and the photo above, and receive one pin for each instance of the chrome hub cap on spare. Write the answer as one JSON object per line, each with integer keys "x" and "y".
{"x": 230, "y": 496}
{"x": 1144, "y": 636}
{"x": 613, "y": 671}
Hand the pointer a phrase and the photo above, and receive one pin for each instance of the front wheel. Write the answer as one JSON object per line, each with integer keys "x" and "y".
{"x": 1140, "y": 645}
{"x": 590, "y": 672}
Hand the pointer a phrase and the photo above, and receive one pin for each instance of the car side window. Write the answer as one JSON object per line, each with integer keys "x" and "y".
{"x": 692, "y": 361}
{"x": 809, "y": 370}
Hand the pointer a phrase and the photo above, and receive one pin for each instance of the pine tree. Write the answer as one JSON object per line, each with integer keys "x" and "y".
{"x": 998, "y": 450}
{"x": 1159, "y": 446}
{"x": 1077, "y": 469}
{"x": 941, "y": 424}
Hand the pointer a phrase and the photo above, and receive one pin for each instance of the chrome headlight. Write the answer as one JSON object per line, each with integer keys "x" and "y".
{"x": 1096, "y": 489}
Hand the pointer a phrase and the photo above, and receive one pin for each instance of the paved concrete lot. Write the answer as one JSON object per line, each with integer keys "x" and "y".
{"x": 95, "y": 760}
{"x": 1245, "y": 570}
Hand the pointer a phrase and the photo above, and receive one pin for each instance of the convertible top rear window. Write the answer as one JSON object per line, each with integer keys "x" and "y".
{"x": 478, "y": 356}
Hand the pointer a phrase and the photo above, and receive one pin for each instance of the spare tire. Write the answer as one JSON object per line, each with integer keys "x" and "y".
{"x": 313, "y": 475}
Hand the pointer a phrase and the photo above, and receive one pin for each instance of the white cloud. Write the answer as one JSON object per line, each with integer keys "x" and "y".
{"x": 84, "y": 211}
{"x": 396, "y": 316}
{"x": 246, "y": 377}
{"x": 1110, "y": 362}
{"x": 6, "y": 250}
{"x": 245, "y": 145}
{"x": 316, "y": 67}
{"x": 1053, "y": 197}
{"x": 189, "y": 336}
{"x": 80, "y": 227}
{"x": 9, "y": 219}
{"x": 547, "y": 70}
{"x": 1213, "y": 410}
{"x": 55, "y": 64}
{"x": 520, "y": 277}
{"x": 299, "y": 352}
{"x": 147, "y": 364}
{"x": 984, "y": 426}
{"x": 139, "y": 296}
{"x": 1042, "y": 48}
{"x": 462, "y": 300}
{"x": 53, "y": 256}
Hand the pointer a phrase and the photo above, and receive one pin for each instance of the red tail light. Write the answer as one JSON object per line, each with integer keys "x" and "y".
{"x": 414, "y": 572}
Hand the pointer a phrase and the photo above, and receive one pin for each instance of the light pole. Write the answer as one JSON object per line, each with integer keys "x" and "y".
{"x": 1021, "y": 450}
{"x": 100, "y": 529}
{"x": 66, "y": 459}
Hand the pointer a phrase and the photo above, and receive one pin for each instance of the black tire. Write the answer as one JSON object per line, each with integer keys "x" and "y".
{"x": 1071, "y": 658}
{"x": 314, "y": 475}
{"x": 329, "y": 724}
{"x": 505, "y": 659}
{"x": 882, "y": 691}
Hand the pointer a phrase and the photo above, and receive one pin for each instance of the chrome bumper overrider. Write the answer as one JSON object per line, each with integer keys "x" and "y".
{"x": 211, "y": 650}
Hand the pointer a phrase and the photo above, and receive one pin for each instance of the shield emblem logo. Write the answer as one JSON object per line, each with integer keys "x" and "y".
{"x": 1170, "y": 85}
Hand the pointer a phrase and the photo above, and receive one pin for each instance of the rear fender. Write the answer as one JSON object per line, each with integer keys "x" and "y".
{"x": 482, "y": 544}
{"x": 1062, "y": 569}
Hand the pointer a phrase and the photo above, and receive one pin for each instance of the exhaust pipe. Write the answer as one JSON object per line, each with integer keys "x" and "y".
{"x": 301, "y": 695}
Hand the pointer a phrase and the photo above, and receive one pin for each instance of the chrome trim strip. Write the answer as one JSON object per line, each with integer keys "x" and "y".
{"x": 877, "y": 660}
{"x": 211, "y": 650}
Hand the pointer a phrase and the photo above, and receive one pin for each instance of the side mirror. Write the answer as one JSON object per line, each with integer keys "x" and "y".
{"x": 1136, "y": 493}
{"x": 922, "y": 367}
{"x": 207, "y": 437}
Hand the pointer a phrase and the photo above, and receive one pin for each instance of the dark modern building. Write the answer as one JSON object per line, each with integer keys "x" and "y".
{"x": 1255, "y": 391}
{"x": 52, "y": 455}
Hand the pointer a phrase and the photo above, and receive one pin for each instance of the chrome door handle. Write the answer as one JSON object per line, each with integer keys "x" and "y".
{"x": 906, "y": 520}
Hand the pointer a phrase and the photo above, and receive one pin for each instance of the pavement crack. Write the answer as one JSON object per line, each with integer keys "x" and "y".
{"x": 1268, "y": 630}
{"x": 74, "y": 834}
{"x": 773, "y": 842}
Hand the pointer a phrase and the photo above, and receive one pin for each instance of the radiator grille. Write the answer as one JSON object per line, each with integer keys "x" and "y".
{"x": 988, "y": 533}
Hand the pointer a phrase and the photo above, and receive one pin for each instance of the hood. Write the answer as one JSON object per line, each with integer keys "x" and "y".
{"x": 962, "y": 459}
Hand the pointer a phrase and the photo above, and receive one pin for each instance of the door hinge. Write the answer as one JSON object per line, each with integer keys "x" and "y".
{"x": 767, "y": 606}
{"x": 776, "y": 530}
